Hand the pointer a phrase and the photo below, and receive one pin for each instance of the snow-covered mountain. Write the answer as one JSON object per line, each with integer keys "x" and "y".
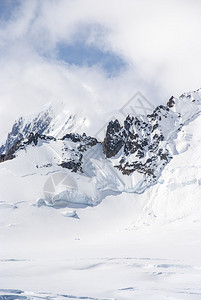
{"x": 130, "y": 159}
{"x": 52, "y": 121}
{"x": 143, "y": 239}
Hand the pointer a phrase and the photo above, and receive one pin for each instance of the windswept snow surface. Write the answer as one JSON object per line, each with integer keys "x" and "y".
{"x": 45, "y": 255}
{"x": 130, "y": 246}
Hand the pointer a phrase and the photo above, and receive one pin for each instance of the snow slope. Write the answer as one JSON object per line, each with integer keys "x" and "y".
{"x": 177, "y": 195}
{"x": 130, "y": 159}
{"x": 130, "y": 246}
{"x": 53, "y": 120}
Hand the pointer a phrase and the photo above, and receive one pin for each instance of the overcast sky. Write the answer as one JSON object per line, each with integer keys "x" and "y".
{"x": 95, "y": 54}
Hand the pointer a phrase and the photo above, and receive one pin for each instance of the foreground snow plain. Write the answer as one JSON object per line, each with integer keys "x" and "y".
{"x": 155, "y": 262}
{"x": 128, "y": 247}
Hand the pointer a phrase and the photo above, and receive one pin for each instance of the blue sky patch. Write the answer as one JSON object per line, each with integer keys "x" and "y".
{"x": 7, "y": 8}
{"x": 81, "y": 54}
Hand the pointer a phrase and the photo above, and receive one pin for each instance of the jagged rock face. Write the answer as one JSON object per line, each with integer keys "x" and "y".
{"x": 33, "y": 138}
{"x": 83, "y": 139}
{"x": 171, "y": 102}
{"x": 81, "y": 144}
{"x": 114, "y": 139}
{"x": 21, "y": 130}
{"x": 140, "y": 142}
{"x": 54, "y": 122}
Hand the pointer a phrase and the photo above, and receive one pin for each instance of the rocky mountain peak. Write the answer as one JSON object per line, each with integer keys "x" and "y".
{"x": 141, "y": 145}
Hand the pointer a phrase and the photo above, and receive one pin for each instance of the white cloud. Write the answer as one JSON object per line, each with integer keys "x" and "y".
{"x": 159, "y": 39}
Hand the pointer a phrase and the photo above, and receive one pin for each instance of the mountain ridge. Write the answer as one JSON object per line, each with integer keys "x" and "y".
{"x": 131, "y": 157}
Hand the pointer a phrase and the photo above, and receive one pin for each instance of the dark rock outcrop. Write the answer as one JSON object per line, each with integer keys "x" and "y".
{"x": 171, "y": 102}
{"x": 81, "y": 144}
{"x": 140, "y": 144}
{"x": 114, "y": 139}
{"x": 22, "y": 130}
{"x": 140, "y": 140}
{"x": 32, "y": 138}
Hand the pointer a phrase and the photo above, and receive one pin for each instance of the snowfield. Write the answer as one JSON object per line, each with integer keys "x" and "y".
{"x": 130, "y": 246}
{"x": 48, "y": 256}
